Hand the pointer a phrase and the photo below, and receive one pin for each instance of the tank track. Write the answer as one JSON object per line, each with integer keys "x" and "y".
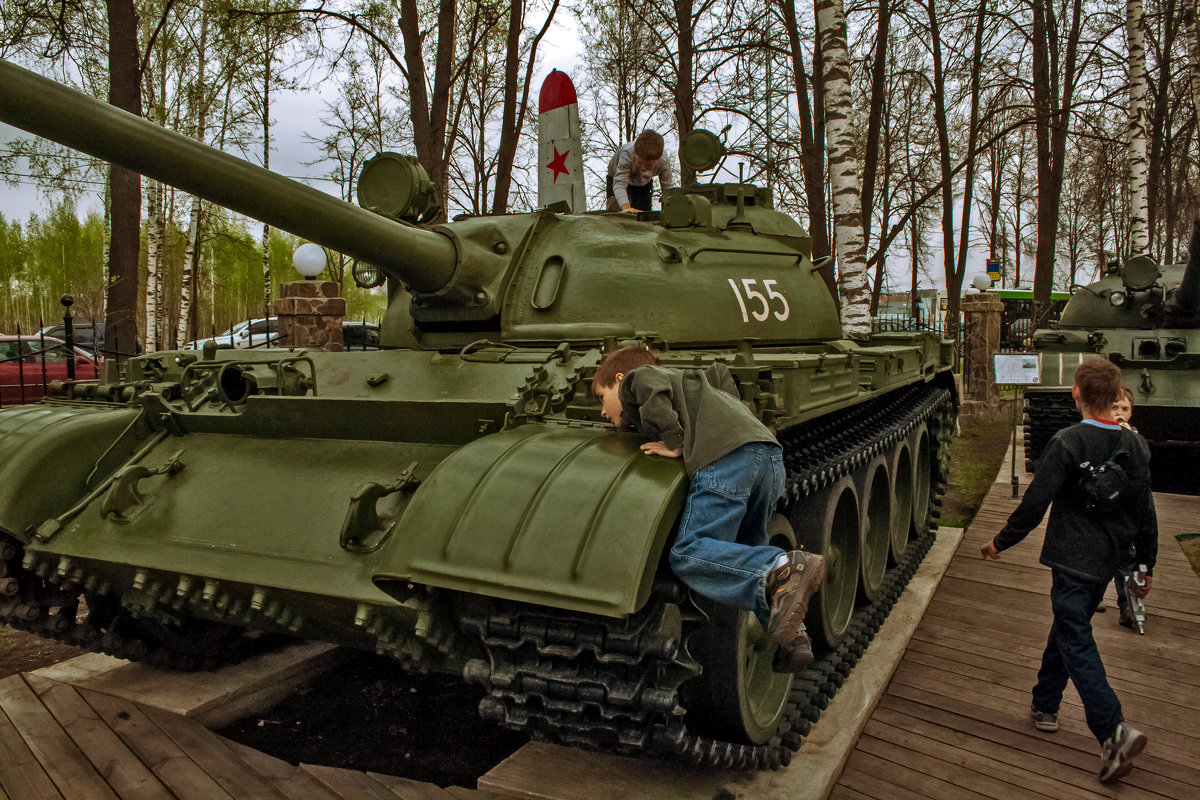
{"x": 53, "y": 606}
{"x": 1046, "y": 413}
{"x": 615, "y": 684}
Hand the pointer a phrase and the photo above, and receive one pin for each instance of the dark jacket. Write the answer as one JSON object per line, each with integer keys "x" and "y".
{"x": 1086, "y": 544}
{"x": 697, "y": 412}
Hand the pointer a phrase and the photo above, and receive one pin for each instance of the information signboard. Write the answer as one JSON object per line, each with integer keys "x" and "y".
{"x": 1018, "y": 368}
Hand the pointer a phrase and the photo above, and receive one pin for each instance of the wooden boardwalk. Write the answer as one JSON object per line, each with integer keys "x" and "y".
{"x": 62, "y": 741}
{"x": 954, "y": 722}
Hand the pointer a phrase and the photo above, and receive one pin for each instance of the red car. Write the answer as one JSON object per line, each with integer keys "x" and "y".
{"x": 22, "y": 378}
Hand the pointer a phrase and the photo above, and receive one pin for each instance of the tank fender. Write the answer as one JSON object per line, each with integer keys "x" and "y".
{"x": 574, "y": 518}
{"x": 55, "y": 453}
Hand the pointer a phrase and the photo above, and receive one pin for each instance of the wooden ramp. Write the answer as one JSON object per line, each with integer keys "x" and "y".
{"x": 954, "y": 722}
{"x": 58, "y": 740}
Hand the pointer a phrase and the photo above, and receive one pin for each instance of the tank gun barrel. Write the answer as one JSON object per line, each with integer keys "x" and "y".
{"x": 424, "y": 260}
{"x": 1187, "y": 297}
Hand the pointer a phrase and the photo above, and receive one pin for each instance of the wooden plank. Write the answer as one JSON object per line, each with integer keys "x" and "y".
{"x": 886, "y": 770}
{"x": 21, "y": 775}
{"x": 460, "y": 793}
{"x": 948, "y": 762}
{"x": 209, "y": 752}
{"x": 409, "y": 789}
{"x": 169, "y": 764}
{"x": 870, "y": 785}
{"x": 846, "y": 793}
{"x": 1037, "y": 773}
{"x": 63, "y": 761}
{"x": 349, "y": 784}
{"x": 287, "y": 778}
{"x": 127, "y": 776}
{"x": 1069, "y": 758}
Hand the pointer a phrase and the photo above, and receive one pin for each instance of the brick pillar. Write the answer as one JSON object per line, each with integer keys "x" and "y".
{"x": 981, "y": 339}
{"x": 310, "y": 314}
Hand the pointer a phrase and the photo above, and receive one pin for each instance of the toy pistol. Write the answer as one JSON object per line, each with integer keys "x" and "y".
{"x": 1135, "y": 579}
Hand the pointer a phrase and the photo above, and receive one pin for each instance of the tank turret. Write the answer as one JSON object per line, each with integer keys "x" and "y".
{"x": 544, "y": 276}
{"x": 456, "y": 501}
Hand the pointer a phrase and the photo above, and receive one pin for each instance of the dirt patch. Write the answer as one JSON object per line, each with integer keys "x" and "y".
{"x": 1190, "y": 544}
{"x": 24, "y": 652}
{"x": 371, "y": 715}
{"x": 975, "y": 457}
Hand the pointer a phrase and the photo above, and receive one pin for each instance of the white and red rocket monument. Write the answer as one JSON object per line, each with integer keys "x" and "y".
{"x": 560, "y": 162}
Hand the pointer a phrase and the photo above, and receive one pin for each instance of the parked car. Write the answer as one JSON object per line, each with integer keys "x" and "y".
{"x": 22, "y": 379}
{"x": 87, "y": 335}
{"x": 249, "y": 333}
{"x": 357, "y": 335}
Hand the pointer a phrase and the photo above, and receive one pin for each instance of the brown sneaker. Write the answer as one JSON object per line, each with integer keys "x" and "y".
{"x": 789, "y": 588}
{"x": 795, "y": 656}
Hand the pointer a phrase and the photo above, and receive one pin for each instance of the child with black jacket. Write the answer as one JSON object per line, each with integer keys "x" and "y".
{"x": 721, "y": 548}
{"x": 1084, "y": 549}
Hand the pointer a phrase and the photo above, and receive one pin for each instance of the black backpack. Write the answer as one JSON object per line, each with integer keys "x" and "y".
{"x": 1109, "y": 485}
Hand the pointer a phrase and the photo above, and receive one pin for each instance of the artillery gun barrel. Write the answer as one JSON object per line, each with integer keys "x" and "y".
{"x": 424, "y": 260}
{"x": 1187, "y": 297}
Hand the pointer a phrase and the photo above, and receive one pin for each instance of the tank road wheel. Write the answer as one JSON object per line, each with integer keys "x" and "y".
{"x": 902, "y": 500}
{"x": 829, "y": 525}
{"x": 739, "y": 697}
{"x": 922, "y": 473}
{"x": 875, "y": 489}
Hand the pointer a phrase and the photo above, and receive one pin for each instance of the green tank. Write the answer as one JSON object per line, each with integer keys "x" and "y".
{"x": 1144, "y": 318}
{"x": 455, "y": 500}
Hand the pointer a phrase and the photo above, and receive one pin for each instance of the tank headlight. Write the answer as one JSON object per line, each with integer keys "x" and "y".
{"x": 1117, "y": 298}
{"x": 367, "y": 276}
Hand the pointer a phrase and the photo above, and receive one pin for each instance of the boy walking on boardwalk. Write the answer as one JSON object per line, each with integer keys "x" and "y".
{"x": 737, "y": 478}
{"x": 1084, "y": 548}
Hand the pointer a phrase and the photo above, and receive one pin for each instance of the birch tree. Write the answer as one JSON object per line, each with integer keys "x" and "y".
{"x": 1139, "y": 116}
{"x": 843, "y": 172}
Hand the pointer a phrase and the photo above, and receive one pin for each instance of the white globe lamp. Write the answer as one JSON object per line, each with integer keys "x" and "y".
{"x": 309, "y": 260}
{"x": 981, "y": 282}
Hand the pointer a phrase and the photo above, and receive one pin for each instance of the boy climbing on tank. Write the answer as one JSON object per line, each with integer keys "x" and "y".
{"x": 632, "y": 170}
{"x": 736, "y": 469}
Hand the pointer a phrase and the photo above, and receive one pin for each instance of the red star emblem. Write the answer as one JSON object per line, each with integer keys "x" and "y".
{"x": 558, "y": 164}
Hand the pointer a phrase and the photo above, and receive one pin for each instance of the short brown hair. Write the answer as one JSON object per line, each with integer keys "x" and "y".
{"x": 1099, "y": 382}
{"x": 1128, "y": 395}
{"x": 648, "y": 145}
{"x": 618, "y": 362}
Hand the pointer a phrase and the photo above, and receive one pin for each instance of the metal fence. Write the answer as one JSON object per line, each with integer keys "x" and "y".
{"x": 30, "y": 364}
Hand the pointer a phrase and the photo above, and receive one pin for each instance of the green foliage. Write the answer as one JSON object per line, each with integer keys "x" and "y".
{"x": 49, "y": 257}
{"x": 59, "y": 253}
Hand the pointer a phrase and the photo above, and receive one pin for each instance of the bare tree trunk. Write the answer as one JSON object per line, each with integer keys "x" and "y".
{"x": 1053, "y": 123}
{"x": 154, "y": 231}
{"x": 1191, "y": 9}
{"x": 191, "y": 254}
{"x": 266, "y": 229}
{"x": 843, "y": 171}
{"x": 964, "y": 228}
{"x": 1139, "y": 119}
{"x": 125, "y": 186}
{"x": 941, "y": 122}
{"x": 685, "y": 87}
{"x": 812, "y": 142}
{"x": 514, "y": 112}
{"x": 430, "y": 117}
{"x": 875, "y": 120}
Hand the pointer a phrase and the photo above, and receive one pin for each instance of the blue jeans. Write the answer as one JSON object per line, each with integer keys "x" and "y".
{"x": 721, "y": 548}
{"x": 1071, "y": 653}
